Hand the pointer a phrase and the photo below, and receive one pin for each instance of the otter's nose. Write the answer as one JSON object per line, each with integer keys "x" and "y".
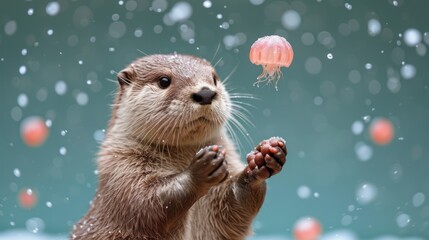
{"x": 204, "y": 96}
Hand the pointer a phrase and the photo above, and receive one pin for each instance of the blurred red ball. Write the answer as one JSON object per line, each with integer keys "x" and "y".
{"x": 381, "y": 131}
{"x": 27, "y": 198}
{"x": 307, "y": 229}
{"x": 34, "y": 131}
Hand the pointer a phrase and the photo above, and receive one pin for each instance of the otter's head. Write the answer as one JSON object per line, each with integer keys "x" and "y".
{"x": 170, "y": 99}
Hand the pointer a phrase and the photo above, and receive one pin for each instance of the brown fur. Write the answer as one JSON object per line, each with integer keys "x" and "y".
{"x": 147, "y": 186}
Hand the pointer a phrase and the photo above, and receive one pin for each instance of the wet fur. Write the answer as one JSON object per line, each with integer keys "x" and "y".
{"x": 145, "y": 190}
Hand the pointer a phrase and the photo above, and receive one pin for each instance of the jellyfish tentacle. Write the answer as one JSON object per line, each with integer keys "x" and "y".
{"x": 279, "y": 75}
{"x": 270, "y": 74}
{"x": 263, "y": 77}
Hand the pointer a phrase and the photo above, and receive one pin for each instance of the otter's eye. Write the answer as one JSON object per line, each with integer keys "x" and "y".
{"x": 215, "y": 79}
{"x": 164, "y": 82}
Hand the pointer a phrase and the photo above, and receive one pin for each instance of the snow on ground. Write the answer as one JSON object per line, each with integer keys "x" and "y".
{"x": 333, "y": 235}
{"x": 25, "y": 235}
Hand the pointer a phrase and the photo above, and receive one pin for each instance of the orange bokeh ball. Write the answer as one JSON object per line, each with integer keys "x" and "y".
{"x": 307, "y": 229}
{"x": 34, "y": 131}
{"x": 381, "y": 131}
{"x": 27, "y": 198}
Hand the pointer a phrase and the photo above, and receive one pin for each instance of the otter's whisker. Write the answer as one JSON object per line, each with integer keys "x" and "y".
{"x": 216, "y": 52}
{"x": 225, "y": 80}
{"x": 112, "y": 80}
{"x": 218, "y": 61}
{"x": 141, "y": 51}
{"x": 244, "y": 114}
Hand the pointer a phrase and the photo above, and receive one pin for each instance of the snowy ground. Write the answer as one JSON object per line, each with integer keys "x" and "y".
{"x": 25, "y": 235}
{"x": 334, "y": 235}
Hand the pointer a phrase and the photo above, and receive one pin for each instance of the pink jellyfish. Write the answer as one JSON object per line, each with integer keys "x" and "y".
{"x": 272, "y": 52}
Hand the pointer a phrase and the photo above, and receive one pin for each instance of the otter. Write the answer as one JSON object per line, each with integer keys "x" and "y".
{"x": 167, "y": 167}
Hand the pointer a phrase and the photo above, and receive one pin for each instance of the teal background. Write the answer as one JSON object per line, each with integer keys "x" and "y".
{"x": 313, "y": 112}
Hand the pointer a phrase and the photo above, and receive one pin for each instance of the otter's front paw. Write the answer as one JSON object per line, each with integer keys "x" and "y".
{"x": 209, "y": 166}
{"x": 267, "y": 159}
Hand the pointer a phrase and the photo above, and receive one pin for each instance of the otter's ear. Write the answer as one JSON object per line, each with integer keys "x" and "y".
{"x": 126, "y": 76}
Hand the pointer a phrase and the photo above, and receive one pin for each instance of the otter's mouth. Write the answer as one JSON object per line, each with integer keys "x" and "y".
{"x": 199, "y": 120}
